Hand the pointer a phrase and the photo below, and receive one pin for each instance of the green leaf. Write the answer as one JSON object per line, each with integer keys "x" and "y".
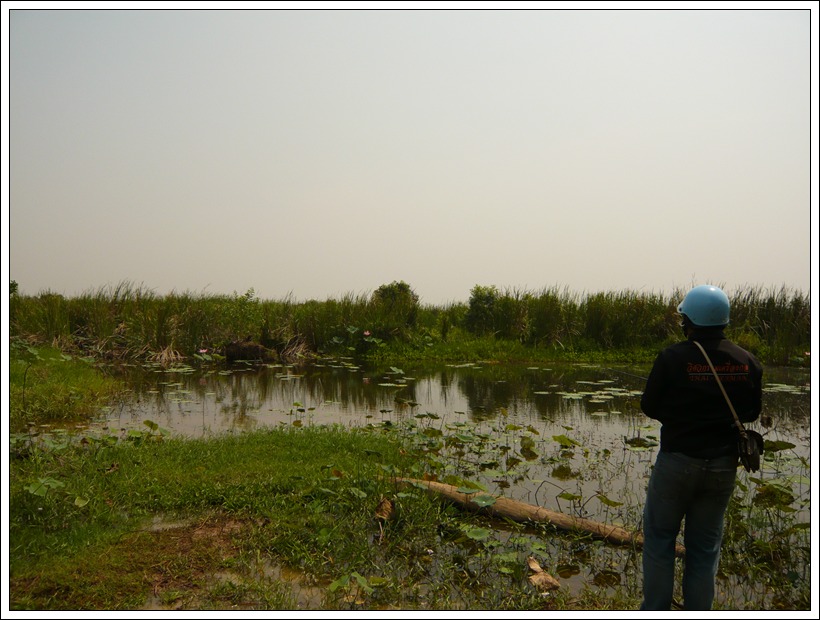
{"x": 484, "y": 500}
{"x": 378, "y": 582}
{"x": 605, "y": 500}
{"x": 358, "y": 493}
{"x": 476, "y": 533}
{"x": 363, "y": 583}
{"x": 777, "y": 446}
{"x": 527, "y": 443}
{"x": 43, "y": 485}
{"x": 565, "y": 441}
{"x": 569, "y": 496}
{"x": 341, "y": 582}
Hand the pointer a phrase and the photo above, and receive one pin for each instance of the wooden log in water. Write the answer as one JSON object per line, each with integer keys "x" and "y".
{"x": 521, "y": 511}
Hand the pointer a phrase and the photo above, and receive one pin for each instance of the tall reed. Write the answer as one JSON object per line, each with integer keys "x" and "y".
{"x": 128, "y": 321}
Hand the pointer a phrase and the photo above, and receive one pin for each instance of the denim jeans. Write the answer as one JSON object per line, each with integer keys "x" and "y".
{"x": 696, "y": 492}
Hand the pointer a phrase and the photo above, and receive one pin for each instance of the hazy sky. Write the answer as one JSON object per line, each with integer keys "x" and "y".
{"x": 316, "y": 153}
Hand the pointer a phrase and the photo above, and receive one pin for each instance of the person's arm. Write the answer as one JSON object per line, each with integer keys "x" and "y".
{"x": 756, "y": 376}
{"x": 652, "y": 396}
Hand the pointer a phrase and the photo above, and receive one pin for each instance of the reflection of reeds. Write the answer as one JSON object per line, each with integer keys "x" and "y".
{"x": 128, "y": 321}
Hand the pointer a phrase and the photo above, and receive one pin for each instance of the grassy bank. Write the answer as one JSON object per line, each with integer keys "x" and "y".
{"x": 284, "y": 519}
{"x": 49, "y": 386}
{"x": 127, "y": 322}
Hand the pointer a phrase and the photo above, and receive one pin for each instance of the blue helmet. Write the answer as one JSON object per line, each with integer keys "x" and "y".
{"x": 706, "y": 306}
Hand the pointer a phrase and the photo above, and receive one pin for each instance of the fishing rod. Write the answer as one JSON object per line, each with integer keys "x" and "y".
{"x": 623, "y": 372}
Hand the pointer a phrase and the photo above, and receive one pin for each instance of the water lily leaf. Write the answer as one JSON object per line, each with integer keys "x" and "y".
{"x": 527, "y": 443}
{"x": 607, "y": 578}
{"x": 476, "y": 533}
{"x": 605, "y": 500}
{"x": 467, "y": 490}
{"x": 569, "y": 496}
{"x": 468, "y": 486}
{"x": 568, "y": 570}
{"x": 484, "y": 500}
{"x": 563, "y": 472}
{"x": 565, "y": 441}
{"x": 640, "y": 442}
{"x": 777, "y": 445}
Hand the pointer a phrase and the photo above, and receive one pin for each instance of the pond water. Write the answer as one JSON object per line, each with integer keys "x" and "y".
{"x": 542, "y": 410}
{"x": 568, "y": 437}
{"x": 199, "y": 401}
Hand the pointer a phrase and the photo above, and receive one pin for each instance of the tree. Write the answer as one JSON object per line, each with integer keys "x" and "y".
{"x": 480, "y": 317}
{"x": 398, "y": 301}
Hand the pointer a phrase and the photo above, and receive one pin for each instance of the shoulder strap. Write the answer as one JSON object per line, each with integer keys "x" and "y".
{"x": 722, "y": 389}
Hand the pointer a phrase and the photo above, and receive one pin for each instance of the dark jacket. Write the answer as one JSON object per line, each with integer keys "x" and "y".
{"x": 681, "y": 392}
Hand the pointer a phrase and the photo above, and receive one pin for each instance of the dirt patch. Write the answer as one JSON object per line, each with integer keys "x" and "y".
{"x": 197, "y": 567}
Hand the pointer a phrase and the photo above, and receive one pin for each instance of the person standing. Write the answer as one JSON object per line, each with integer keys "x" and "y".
{"x": 693, "y": 477}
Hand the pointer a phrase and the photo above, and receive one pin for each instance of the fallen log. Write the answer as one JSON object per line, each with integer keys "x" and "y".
{"x": 521, "y": 512}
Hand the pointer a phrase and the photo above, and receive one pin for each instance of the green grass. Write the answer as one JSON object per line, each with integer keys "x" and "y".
{"x": 49, "y": 386}
{"x": 305, "y": 498}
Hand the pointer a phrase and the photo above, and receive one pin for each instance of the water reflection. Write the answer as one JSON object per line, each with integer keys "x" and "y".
{"x": 596, "y": 401}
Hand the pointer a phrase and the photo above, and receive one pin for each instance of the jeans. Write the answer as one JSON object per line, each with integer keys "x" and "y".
{"x": 696, "y": 491}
